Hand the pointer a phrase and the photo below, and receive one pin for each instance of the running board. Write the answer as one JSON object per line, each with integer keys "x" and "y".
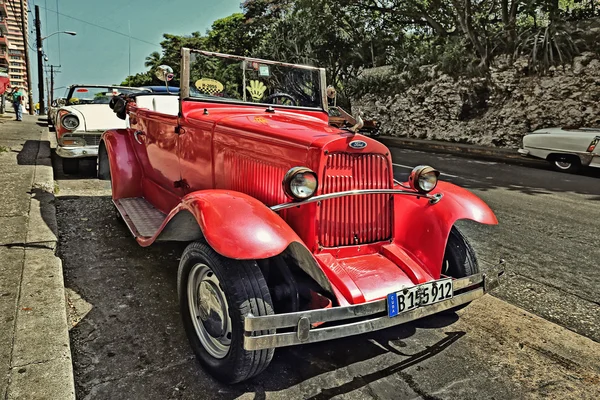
{"x": 142, "y": 219}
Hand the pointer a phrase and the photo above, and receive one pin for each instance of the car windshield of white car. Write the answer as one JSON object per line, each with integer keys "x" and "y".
{"x": 239, "y": 79}
{"x": 94, "y": 95}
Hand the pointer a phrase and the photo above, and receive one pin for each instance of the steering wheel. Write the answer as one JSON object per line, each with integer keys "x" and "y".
{"x": 286, "y": 99}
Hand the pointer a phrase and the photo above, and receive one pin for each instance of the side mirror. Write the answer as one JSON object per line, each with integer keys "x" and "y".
{"x": 61, "y": 102}
{"x": 165, "y": 74}
{"x": 332, "y": 94}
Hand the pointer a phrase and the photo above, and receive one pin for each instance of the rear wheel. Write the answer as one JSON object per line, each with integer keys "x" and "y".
{"x": 215, "y": 294}
{"x": 70, "y": 166}
{"x": 459, "y": 259}
{"x": 565, "y": 163}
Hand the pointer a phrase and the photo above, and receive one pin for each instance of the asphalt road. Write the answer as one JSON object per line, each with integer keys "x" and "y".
{"x": 131, "y": 345}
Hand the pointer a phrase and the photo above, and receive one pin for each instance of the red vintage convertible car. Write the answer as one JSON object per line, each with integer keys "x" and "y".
{"x": 298, "y": 231}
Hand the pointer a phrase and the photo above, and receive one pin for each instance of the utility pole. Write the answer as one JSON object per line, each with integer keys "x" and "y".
{"x": 51, "y": 85}
{"x": 27, "y": 65}
{"x": 40, "y": 56}
{"x": 51, "y": 96}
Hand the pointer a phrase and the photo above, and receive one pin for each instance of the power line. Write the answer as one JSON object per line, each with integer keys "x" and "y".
{"x": 102, "y": 27}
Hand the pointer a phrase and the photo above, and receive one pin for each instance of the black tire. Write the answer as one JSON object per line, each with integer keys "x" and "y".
{"x": 103, "y": 164}
{"x": 246, "y": 292}
{"x": 459, "y": 259}
{"x": 565, "y": 163}
{"x": 70, "y": 166}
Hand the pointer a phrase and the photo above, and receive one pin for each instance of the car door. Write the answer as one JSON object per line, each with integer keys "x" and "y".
{"x": 196, "y": 154}
{"x": 156, "y": 144}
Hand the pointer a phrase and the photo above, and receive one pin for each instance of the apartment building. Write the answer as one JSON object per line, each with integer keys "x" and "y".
{"x": 12, "y": 43}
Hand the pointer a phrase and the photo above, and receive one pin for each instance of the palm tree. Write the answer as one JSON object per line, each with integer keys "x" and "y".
{"x": 153, "y": 60}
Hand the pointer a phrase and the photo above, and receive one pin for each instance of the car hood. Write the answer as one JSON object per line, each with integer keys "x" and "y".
{"x": 96, "y": 117}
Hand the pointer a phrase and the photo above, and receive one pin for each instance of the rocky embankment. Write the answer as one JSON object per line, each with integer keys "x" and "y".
{"x": 494, "y": 111}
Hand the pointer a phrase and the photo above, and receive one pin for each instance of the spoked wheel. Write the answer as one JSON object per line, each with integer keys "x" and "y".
{"x": 215, "y": 294}
{"x": 459, "y": 259}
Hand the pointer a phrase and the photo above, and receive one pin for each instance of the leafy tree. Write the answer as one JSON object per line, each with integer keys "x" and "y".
{"x": 140, "y": 79}
{"x": 153, "y": 60}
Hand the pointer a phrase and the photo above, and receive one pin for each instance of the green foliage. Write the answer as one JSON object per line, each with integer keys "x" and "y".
{"x": 458, "y": 37}
{"x": 140, "y": 79}
{"x": 547, "y": 46}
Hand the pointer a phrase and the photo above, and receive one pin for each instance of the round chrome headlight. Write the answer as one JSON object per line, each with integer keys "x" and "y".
{"x": 300, "y": 183}
{"x": 423, "y": 178}
{"x": 70, "y": 122}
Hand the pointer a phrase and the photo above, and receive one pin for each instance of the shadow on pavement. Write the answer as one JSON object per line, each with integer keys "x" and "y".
{"x": 28, "y": 154}
{"x": 135, "y": 323}
{"x": 412, "y": 360}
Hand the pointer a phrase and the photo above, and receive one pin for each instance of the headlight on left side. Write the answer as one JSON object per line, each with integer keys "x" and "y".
{"x": 300, "y": 183}
{"x": 423, "y": 178}
{"x": 70, "y": 122}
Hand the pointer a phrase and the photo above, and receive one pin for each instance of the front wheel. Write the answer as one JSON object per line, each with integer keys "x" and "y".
{"x": 215, "y": 294}
{"x": 459, "y": 259}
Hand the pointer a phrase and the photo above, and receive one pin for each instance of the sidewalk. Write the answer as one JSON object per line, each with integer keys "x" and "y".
{"x": 509, "y": 156}
{"x": 35, "y": 356}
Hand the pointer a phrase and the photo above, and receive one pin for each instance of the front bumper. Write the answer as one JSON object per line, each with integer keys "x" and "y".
{"x": 77, "y": 152}
{"x": 366, "y": 317}
{"x": 523, "y": 152}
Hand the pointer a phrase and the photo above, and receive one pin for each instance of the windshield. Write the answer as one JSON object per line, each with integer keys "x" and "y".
{"x": 231, "y": 78}
{"x": 95, "y": 94}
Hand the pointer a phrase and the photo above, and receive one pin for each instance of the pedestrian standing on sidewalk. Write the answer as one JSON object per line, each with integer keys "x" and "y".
{"x": 17, "y": 100}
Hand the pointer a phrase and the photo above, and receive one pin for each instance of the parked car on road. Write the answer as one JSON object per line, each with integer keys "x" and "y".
{"x": 567, "y": 149}
{"x": 80, "y": 119}
{"x": 297, "y": 230}
{"x": 53, "y": 111}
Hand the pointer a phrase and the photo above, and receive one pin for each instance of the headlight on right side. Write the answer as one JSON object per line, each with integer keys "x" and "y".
{"x": 423, "y": 178}
{"x": 70, "y": 122}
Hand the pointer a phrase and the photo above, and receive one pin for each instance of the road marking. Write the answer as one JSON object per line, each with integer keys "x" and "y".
{"x": 409, "y": 167}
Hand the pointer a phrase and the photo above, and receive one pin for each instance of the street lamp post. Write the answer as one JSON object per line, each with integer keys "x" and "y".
{"x": 40, "y": 56}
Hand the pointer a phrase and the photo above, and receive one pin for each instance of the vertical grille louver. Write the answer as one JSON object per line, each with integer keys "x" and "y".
{"x": 358, "y": 219}
{"x": 256, "y": 178}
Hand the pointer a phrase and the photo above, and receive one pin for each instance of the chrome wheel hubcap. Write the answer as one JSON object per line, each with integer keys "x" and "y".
{"x": 208, "y": 310}
{"x": 563, "y": 164}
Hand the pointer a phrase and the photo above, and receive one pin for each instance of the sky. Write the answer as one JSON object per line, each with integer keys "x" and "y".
{"x": 98, "y": 56}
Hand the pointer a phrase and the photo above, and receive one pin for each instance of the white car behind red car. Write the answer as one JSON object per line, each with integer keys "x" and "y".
{"x": 568, "y": 150}
{"x": 82, "y": 118}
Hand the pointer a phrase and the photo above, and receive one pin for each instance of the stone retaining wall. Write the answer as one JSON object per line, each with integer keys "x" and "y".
{"x": 496, "y": 111}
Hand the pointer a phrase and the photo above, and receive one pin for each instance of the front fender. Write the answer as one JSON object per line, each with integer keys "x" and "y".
{"x": 125, "y": 171}
{"x": 422, "y": 228}
{"x": 234, "y": 224}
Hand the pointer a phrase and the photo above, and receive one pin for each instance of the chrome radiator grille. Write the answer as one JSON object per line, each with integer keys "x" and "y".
{"x": 361, "y": 219}
{"x": 91, "y": 139}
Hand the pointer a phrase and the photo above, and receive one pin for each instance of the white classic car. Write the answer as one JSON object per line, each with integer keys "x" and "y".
{"x": 81, "y": 118}
{"x": 566, "y": 149}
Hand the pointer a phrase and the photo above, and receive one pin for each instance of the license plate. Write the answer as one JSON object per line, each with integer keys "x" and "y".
{"x": 419, "y": 296}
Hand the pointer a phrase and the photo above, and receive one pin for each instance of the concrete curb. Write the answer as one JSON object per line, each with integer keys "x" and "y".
{"x": 41, "y": 365}
{"x": 509, "y": 156}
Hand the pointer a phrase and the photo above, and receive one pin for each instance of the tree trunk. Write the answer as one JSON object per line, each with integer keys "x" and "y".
{"x": 466, "y": 26}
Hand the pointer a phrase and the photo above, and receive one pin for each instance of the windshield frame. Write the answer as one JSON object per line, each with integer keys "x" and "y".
{"x": 184, "y": 89}
{"x": 71, "y": 90}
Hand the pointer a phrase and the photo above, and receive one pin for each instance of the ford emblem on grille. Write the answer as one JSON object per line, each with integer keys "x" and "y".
{"x": 358, "y": 144}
